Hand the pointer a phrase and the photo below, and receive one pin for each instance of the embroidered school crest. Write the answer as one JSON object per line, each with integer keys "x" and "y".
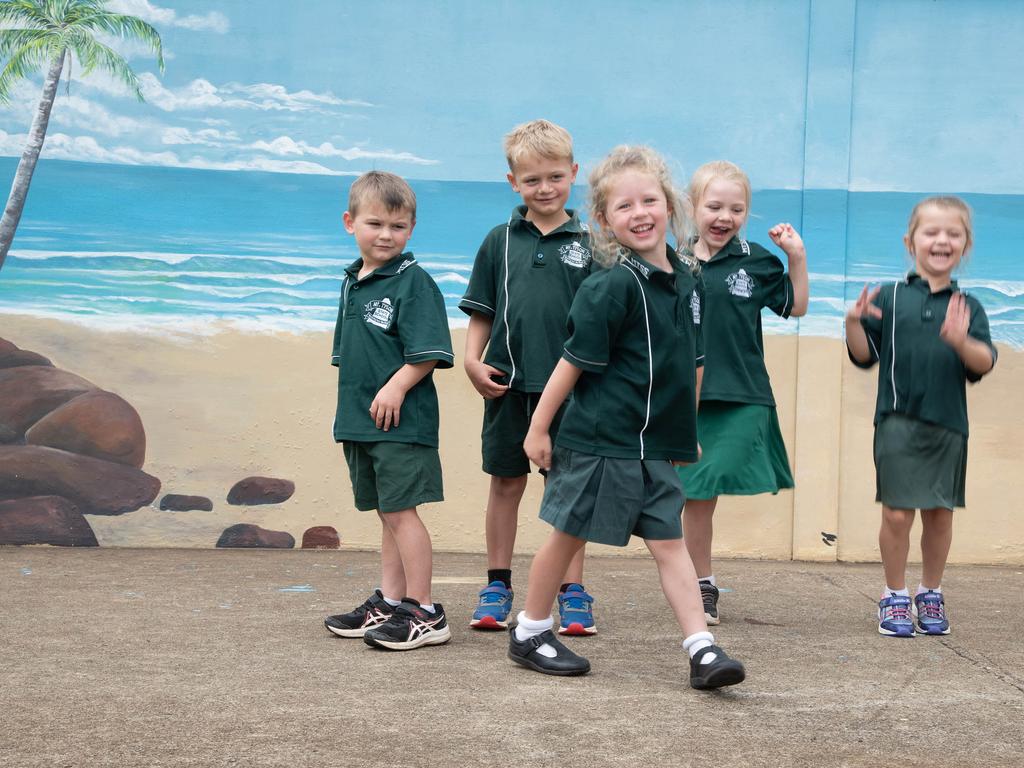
{"x": 741, "y": 284}
{"x": 574, "y": 255}
{"x": 695, "y": 307}
{"x": 379, "y": 312}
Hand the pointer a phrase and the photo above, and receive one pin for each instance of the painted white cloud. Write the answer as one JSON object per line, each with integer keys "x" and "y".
{"x": 285, "y": 146}
{"x": 202, "y": 94}
{"x": 214, "y": 21}
{"x": 210, "y": 137}
{"x": 60, "y": 146}
{"x": 75, "y": 112}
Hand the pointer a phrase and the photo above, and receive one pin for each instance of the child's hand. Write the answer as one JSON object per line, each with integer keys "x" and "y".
{"x": 788, "y": 239}
{"x": 958, "y": 320}
{"x": 480, "y": 375}
{"x": 537, "y": 447}
{"x": 864, "y": 306}
{"x": 387, "y": 405}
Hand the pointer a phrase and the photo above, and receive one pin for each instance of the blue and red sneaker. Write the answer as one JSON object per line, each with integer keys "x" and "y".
{"x": 930, "y": 610}
{"x": 894, "y": 618}
{"x": 494, "y": 607}
{"x": 576, "y": 612}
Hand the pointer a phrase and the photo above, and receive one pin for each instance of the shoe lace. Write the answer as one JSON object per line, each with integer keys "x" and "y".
{"x": 897, "y": 611}
{"x": 930, "y": 608}
{"x": 577, "y": 601}
{"x": 491, "y": 597}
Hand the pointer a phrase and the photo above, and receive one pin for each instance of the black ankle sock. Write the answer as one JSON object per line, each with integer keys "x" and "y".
{"x": 568, "y": 584}
{"x": 504, "y": 575}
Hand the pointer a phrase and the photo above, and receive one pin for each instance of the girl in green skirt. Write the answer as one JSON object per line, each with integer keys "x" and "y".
{"x": 737, "y": 426}
{"x": 930, "y": 339}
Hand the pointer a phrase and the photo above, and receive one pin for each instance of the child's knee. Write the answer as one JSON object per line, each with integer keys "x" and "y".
{"x": 509, "y": 487}
{"x": 897, "y": 519}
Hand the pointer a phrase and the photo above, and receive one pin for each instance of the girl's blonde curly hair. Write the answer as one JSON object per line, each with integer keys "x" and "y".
{"x": 607, "y": 250}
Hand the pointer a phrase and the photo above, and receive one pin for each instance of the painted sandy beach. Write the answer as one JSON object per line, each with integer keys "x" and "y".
{"x": 220, "y": 407}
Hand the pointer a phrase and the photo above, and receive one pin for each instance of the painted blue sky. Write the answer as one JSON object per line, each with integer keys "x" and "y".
{"x": 428, "y": 89}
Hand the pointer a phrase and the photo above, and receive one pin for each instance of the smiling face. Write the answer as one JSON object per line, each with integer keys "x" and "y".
{"x": 544, "y": 184}
{"x": 720, "y": 213}
{"x": 937, "y": 241}
{"x": 380, "y": 234}
{"x": 637, "y": 212}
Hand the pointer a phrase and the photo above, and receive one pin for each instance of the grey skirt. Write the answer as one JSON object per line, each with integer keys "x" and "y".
{"x": 919, "y": 465}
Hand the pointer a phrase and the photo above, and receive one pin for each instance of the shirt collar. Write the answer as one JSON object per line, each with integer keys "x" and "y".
{"x": 573, "y": 225}
{"x": 394, "y": 267}
{"x": 648, "y": 271}
{"x": 914, "y": 280}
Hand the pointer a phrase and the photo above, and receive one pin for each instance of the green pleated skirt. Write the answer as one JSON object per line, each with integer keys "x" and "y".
{"x": 919, "y": 465}
{"x": 742, "y": 452}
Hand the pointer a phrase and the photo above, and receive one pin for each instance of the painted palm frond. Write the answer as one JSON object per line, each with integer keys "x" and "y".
{"x": 40, "y": 36}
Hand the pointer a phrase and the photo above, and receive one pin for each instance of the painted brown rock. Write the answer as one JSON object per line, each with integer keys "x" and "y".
{"x": 12, "y": 357}
{"x": 98, "y": 424}
{"x": 28, "y": 393}
{"x": 96, "y": 487}
{"x": 246, "y": 536}
{"x": 44, "y": 520}
{"x": 176, "y": 502}
{"x": 261, "y": 490}
{"x": 321, "y": 537}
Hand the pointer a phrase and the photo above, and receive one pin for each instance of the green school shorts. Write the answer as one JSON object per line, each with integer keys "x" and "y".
{"x": 392, "y": 477}
{"x": 742, "y": 452}
{"x": 608, "y": 500}
{"x": 506, "y": 422}
{"x": 919, "y": 465}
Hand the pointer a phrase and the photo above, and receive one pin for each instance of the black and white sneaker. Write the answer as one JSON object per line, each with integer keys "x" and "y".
{"x": 372, "y": 613}
{"x": 722, "y": 671}
{"x": 709, "y": 596}
{"x": 565, "y": 662}
{"x": 410, "y": 627}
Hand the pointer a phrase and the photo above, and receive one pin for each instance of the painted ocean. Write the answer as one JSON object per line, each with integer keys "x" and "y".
{"x": 194, "y": 250}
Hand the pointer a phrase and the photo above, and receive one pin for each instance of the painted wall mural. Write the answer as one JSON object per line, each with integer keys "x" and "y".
{"x": 167, "y": 302}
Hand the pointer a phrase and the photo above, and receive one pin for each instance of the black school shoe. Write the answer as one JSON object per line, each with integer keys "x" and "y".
{"x": 410, "y": 627}
{"x": 372, "y": 613}
{"x": 715, "y": 674}
{"x": 709, "y": 596}
{"x": 525, "y": 653}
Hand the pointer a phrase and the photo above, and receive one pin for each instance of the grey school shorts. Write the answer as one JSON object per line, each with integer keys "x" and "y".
{"x": 608, "y": 500}
{"x": 392, "y": 477}
{"x": 919, "y": 465}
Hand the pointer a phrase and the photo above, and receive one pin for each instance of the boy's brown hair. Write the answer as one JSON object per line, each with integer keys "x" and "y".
{"x": 388, "y": 189}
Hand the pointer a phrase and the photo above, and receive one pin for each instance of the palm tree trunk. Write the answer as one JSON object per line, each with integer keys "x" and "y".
{"x": 27, "y": 166}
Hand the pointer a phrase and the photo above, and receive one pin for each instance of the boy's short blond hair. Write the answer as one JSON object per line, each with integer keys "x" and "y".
{"x": 540, "y": 138}
{"x": 388, "y": 189}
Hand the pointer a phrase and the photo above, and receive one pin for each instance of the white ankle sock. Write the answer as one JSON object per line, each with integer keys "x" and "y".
{"x": 527, "y": 628}
{"x": 696, "y": 643}
{"x": 921, "y": 588}
{"x": 428, "y": 607}
{"x": 392, "y": 603}
{"x": 709, "y": 579}
{"x": 901, "y": 592}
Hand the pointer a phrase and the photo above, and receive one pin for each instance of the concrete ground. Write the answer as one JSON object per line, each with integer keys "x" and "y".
{"x": 219, "y": 658}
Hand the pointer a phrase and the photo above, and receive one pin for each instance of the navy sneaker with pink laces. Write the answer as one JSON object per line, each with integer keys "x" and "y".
{"x": 894, "y": 619}
{"x": 930, "y": 610}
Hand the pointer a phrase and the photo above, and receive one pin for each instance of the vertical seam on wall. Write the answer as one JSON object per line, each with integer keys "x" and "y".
{"x": 846, "y": 266}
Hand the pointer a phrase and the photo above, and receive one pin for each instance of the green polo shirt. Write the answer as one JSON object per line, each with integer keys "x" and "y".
{"x": 525, "y": 282}
{"x": 393, "y": 316}
{"x": 739, "y": 280}
{"x": 920, "y": 375}
{"x": 635, "y": 331}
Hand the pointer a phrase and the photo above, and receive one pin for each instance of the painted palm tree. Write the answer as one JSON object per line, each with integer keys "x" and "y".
{"x": 42, "y": 35}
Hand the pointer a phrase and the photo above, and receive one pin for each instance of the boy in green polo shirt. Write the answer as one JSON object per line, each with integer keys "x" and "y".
{"x": 523, "y": 281}
{"x": 392, "y": 331}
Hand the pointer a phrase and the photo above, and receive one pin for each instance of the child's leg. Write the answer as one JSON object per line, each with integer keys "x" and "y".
{"x": 414, "y": 550}
{"x": 574, "y": 573}
{"x": 546, "y": 573}
{"x": 502, "y": 519}
{"x": 894, "y": 544}
{"x": 936, "y": 537}
{"x": 679, "y": 583}
{"x": 392, "y": 574}
{"x": 698, "y": 529}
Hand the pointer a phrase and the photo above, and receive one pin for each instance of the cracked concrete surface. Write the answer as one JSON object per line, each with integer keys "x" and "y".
{"x": 208, "y": 658}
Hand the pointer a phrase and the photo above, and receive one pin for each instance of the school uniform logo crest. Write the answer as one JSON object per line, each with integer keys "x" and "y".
{"x": 695, "y": 307}
{"x": 741, "y": 284}
{"x": 379, "y": 312}
{"x": 574, "y": 255}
